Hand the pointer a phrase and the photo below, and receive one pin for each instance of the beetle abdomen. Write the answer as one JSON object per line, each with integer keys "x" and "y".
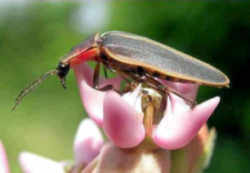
{"x": 155, "y": 57}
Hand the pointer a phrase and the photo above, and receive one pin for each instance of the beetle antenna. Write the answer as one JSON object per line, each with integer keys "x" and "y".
{"x": 32, "y": 86}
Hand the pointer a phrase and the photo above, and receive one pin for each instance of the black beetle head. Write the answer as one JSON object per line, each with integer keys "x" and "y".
{"x": 62, "y": 71}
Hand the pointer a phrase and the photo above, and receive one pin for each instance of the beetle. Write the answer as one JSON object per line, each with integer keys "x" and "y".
{"x": 138, "y": 58}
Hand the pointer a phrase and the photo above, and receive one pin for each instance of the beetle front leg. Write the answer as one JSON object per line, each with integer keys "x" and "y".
{"x": 96, "y": 79}
{"x": 96, "y": 75}
{"x": 105, "y": 72}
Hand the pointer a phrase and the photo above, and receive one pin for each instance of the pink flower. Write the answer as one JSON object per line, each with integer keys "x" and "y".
{"x": 32, "y": 163}
{"x": 92, "y": 155}
{"x": 87, "y": 145}
{"x": 122, "y": 118}
{"x": 4, "y": 168}
{"x": 88, "y": 142}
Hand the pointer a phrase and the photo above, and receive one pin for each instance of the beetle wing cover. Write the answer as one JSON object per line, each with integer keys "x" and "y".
{"x": 136, "y": 50}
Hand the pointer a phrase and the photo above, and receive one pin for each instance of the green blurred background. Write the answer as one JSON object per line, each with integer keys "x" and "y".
{"x": 33, "y": 37}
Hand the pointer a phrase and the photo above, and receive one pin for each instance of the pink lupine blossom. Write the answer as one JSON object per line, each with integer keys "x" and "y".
{"x": 4, "y": 167}
{"x": 88, "y": 142}
{"x": 92, "y": 155}
{"x": 87, "y": 145}
{"x": 32, "y": 163}
{"x": 122, "y": 119}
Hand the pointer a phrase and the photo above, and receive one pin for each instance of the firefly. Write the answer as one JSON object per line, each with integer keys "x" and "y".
{"x": 135, "y": 57}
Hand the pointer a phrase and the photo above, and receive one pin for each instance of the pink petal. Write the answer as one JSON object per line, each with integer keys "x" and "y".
{"x": 180, "y": 124}
{"x": 31, "y": 163}
{"x": 4, "y": 168}
{"x": 88, "y": 142}
{"x": 122, "y": 124}
{"x": 134, "y": 99}
{"x": 84, "y": 72}
{"x": 92, "y": 99}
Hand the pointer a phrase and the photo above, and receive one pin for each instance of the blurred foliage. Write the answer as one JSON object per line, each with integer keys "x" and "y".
{"x": 33, "y": 37}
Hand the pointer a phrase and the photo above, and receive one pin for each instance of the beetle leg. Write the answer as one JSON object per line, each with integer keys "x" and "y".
{"x": 106, "y": 88}
{"x": 109, "y": 87}
{"x": 191, "y": 102}
{"x": 126, "y": 76}
{"x": 162, "y": 89}
{"x": 96, "y": 75}
{"x": 105, "y": 72}
{"x": 96, "y": 80}
{"x": 168, "y": 89}
{"x": 130, "y": 87}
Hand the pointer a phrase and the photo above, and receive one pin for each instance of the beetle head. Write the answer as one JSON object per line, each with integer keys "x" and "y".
{"x": 62, "y": 71}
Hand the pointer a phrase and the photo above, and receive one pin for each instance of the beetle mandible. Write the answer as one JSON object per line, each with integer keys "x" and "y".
{"x": 138, "y": 58}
